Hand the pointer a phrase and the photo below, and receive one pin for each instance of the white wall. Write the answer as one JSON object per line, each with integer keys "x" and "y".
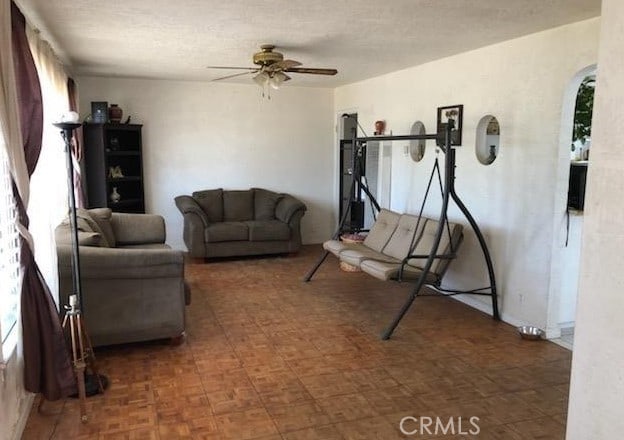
{"x": 15, "y": 401}
{"x": 208, "y": 135}
{"x": 597, "y": 383}
{"x": 521, "y": 82}
{"x": 567, "y": 283}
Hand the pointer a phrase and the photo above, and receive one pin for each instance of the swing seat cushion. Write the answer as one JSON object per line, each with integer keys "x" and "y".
{"x": 355, "y": 257}
{"x": 337, "y": 246}
{"x": 389, "y": 242}
{"x": 390, "y": 271}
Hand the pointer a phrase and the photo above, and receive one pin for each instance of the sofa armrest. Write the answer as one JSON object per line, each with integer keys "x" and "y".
{"x": 287, "y": 207}
{"x": 138, "y": 228}
{"x": 116, "y": 263}
{"x": 195, "y": 223}
{"x": 188, "y": 205}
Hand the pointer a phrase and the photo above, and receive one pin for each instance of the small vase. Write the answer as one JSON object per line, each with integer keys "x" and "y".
{"x": 380, "y": 127}
{"x": 115, "y": 197}
{"x": 115, "y": 113}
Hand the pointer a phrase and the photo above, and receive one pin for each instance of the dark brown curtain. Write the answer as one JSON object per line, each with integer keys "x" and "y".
{"x": 28, "y": 90}
{"x": 72, "y": 92}
{"x": 47, "y": 364}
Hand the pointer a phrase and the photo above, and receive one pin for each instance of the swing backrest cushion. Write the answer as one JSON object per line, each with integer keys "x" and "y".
{"x": 404, "y": 235}
{"x": 382, "y": 230}
{"x": 425, "y": 244}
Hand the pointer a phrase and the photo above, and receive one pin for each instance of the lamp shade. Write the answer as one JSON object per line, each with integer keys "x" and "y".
{"x": 277, "y": 79}
{"x": 261, "y": 79}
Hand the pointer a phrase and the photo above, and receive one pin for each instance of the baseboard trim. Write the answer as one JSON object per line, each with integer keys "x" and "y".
{"x": 487, "y": 308}
{"x": 23, "y": 418}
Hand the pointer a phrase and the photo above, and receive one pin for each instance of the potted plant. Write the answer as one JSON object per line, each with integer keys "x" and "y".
{"x": 581, "y": 129}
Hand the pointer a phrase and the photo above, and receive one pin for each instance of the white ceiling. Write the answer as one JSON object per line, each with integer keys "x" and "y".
{"x": 168, "y": 39}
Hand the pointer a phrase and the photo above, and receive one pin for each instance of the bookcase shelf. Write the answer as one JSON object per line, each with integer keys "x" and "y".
{"x": 111, "y": 149}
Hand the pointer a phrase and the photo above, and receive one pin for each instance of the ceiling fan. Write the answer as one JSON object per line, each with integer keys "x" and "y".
{"x": 272, "y": 68}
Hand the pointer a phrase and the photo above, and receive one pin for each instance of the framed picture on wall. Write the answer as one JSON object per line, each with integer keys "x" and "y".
{"x": 99, "y": 112}
{"x": 456, "y": 114}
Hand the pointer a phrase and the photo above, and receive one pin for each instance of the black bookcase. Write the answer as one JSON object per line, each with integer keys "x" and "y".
{"x": 355, "y": 220}
{"x": 113, "y": 162}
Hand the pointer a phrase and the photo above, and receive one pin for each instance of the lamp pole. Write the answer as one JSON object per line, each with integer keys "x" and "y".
{"x": 82, "y": 352}
{"x": 67, "y": 132}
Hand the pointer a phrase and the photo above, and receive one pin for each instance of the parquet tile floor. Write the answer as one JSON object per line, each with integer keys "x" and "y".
{"x": 268, "y": 357}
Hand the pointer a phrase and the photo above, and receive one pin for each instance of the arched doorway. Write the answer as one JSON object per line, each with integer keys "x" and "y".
{"x": 568, "y": 222}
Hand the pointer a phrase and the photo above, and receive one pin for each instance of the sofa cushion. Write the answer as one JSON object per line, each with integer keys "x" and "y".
{"x": 102, "y": 216}
{"x": 238, "y": 206}
{"x": 264, "y": 203}
{"x": 63, "y": 235}
{"x": 145, "y": 246}
{"x": 226, "y": 231}
{"x": 211, "y": 202}
{"x": 86, "y": 223}
{"x": 89, "y": 239}
{"x": 268, "y": 230}
{"x": 138, "y": 228}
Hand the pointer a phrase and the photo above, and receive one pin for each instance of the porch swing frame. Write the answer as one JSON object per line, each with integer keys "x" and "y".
{"x": 443, "y": 140}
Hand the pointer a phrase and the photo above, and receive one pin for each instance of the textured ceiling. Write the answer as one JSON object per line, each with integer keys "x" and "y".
{"x": 168, "y": 39}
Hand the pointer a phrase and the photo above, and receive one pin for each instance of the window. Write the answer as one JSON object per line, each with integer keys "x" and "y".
{"x": 10, "y": 276}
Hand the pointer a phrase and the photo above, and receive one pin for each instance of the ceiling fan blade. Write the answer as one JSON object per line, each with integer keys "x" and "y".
{"x": 312, "y": 71}
{"x": 235, "y": 75}
{"x": 282, "y": 65}
{"x": 231, "y": 68}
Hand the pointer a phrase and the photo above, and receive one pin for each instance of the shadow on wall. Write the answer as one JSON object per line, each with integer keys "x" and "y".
{"x": 469, "y": 269}
{"x": 317, "y": 214}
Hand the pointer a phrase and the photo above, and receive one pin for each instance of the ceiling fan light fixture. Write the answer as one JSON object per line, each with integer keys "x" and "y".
{"x": 277, "y": 79}
{"x": 261, "y": 79}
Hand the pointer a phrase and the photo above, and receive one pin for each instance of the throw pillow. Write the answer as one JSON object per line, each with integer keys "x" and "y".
{"x": 102, "y": 216}
{"x": 264, "y": 203}
{"x": 87, "y": 223}
{"x": 211, "y": 201}
{"x": 84, "y": 238}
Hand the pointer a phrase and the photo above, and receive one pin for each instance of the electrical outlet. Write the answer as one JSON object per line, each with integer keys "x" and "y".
{"x": 405, "y": 150}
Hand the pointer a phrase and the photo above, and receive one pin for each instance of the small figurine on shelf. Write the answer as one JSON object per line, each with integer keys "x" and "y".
{"x": 114, "y": 143}
{"x": 115, "y": 172}
{"x": 115, "y": 197}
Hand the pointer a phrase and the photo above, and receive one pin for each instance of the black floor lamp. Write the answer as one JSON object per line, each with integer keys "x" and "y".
{"x": 82, "y": 351}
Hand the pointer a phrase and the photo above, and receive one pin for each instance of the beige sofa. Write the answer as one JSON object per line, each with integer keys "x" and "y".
{"x": 387, "y": 245}
{"x": 225, "y": 223}
{"x": 132, "y": 283}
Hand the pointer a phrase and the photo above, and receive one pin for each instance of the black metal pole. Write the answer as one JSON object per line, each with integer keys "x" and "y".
{"x": 343, "y": 219}
{"x": 406, "y": 137}
{"x": 67, "y": 130}
{"x": 448, "y": 162}
{"x": 484, "y": 248}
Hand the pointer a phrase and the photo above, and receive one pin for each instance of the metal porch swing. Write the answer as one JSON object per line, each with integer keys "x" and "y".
{"x": 444, "y": 141}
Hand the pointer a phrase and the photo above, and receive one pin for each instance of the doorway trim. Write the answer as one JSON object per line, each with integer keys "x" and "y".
{"x": 557, "y": 270}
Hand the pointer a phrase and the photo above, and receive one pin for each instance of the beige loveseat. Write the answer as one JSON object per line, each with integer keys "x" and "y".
{"x": 132, "y": 283}
{"x": 225, "y": 223}
{"x": 387, "y": 245}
